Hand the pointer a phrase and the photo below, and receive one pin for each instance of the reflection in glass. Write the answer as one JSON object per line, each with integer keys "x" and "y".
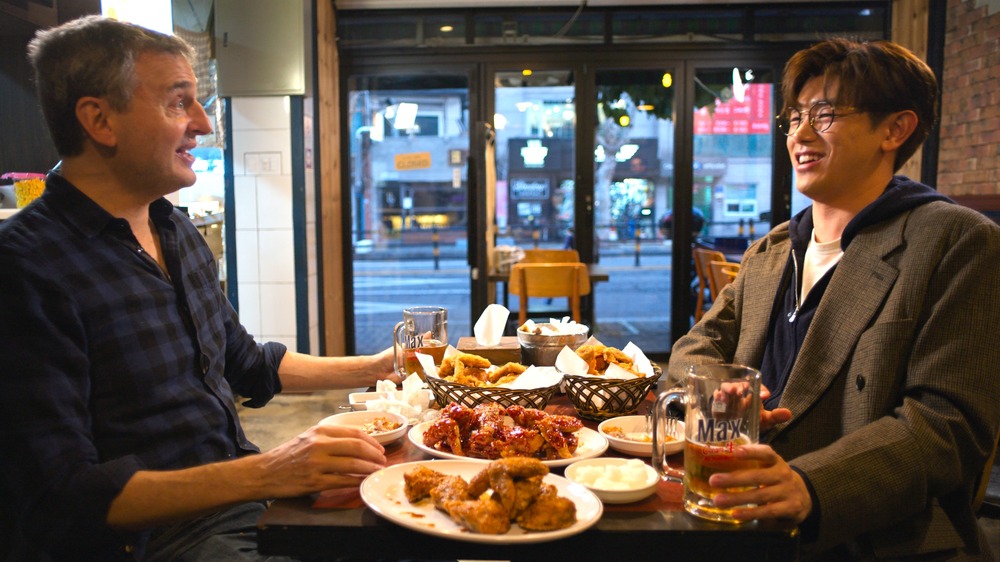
{"x": 408, "y": 143}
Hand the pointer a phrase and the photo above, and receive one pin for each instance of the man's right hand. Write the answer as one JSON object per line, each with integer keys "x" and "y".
{"x": 320, "y": 458}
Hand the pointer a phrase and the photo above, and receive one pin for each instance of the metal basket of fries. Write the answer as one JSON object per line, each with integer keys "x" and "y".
{"x": 598, "y": 398}
{"x": 446, "y": 392}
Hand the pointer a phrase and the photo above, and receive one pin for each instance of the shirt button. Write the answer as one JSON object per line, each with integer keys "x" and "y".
{"x": 860, "y": 382}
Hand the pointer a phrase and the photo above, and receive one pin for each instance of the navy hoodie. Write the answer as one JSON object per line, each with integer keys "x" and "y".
{"x": 789, "y": 323}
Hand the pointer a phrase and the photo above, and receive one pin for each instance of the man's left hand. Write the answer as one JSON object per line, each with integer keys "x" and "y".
{"x": 778, "y": 491}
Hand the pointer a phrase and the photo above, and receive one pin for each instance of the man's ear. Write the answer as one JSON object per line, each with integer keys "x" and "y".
{"x": 900, "y": 126}
{"x": 94, "y": 116}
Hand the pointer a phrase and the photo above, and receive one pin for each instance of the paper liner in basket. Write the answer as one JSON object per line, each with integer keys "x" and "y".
{"x": 569, "y": 363}
{"x": 533, "y": 378}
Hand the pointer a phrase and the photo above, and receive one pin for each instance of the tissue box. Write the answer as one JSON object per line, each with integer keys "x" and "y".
{"x": 507, "y": 351}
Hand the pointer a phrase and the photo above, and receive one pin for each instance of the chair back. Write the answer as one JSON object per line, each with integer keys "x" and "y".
{"x": 543, "y": 255}
{"x": 722, "y": 273}
{"x": 549, "y": 280}
{"x": 984, "y": 478}
{"x": 702, "y": 257}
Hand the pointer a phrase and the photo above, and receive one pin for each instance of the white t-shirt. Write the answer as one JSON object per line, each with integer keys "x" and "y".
{"x": 820, "y": 257}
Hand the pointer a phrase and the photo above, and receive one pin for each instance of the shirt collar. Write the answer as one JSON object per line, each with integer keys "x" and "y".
{"x": 86, "y": 215}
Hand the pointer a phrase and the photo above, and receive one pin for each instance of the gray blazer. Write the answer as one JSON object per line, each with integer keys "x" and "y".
{"x": 895, "y": 394}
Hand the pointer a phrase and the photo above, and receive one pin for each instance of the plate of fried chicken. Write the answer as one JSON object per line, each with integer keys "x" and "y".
{"x": 490, "y": 431}
{"x": 513, "y": 500}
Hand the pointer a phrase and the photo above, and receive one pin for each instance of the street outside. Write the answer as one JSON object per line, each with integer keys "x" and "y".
{"x": 634, "y": 305}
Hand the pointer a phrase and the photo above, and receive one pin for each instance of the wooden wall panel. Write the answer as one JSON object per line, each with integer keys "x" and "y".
{"x": 332, "y": 258}
{"x": 909, "y": 29}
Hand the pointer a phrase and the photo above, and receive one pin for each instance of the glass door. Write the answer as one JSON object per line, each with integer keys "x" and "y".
{"x": 535, "y": 122}
{"x": 409, "y": 141}
{"x": 733, "y": 163}
{"x": 633, "y": 159}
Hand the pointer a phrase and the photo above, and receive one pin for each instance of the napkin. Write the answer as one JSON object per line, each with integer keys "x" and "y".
{"x": 535, "y": 377}
{"x": 410, "y": 405}
{"x": 490, "y": 326}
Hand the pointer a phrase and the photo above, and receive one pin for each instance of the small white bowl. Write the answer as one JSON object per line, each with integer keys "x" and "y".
{"x": 636, "y": 492}
{"x": 635, "y": 426}
{"x": 359, "y": 419}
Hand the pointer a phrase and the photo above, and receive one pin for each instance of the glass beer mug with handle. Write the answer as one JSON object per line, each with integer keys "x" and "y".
{"x": 721, "y": 412}
{"x": 424, "y": 329}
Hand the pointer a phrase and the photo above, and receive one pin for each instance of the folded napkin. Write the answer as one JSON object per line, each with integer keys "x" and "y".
{"x": 490, "y": 326}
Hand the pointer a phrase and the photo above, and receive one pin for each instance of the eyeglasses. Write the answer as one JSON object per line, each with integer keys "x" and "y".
{"x": 820, "y": 116}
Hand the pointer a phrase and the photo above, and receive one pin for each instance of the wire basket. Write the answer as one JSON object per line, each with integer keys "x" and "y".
{"x": 599, "y": 399}
{"x": 470, "y": 396}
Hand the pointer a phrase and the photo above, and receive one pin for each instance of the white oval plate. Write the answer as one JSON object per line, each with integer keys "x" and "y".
{"x": 591, "y": 444}
{"x": 383, "y": 492}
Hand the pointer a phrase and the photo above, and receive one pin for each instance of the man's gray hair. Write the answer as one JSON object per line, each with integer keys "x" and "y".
{"x": 91, "y": 56}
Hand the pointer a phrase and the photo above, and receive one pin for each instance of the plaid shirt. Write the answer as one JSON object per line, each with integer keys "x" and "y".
{"x": 109, "y": 366}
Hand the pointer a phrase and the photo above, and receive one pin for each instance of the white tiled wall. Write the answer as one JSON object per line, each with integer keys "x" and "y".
{"x": 265, "y": 241}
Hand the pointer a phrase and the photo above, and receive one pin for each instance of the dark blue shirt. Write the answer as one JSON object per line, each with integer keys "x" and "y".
{"x": 109, "y": 366}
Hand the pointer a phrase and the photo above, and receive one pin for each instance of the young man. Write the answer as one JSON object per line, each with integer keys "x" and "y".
{"x": 122, "y": 357}
{"x": 870, "y": 315}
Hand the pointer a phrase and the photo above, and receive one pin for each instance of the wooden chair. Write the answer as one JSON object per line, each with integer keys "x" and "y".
{"x": 702, "y": 257}
{"x": 984, "y": 479}
{"x": 541, "y": 255}
{"x": 549, "y": 280}
{"x": 722, "y": 273}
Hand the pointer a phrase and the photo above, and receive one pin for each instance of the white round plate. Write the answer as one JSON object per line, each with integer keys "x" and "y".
{"x": 591, "y": 444}
{"x": 358, "y": 419}
{"x": 637, "y": 425}
{"x": 615, "y": 496}
{"x": 383, "y": 492}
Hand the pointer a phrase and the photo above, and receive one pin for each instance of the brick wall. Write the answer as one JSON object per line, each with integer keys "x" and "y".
{"x": 969, "y": 157}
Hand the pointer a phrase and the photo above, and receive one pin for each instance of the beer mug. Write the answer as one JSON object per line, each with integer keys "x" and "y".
{"x": 424, "y": 329}
{"x": 722, "y": 411}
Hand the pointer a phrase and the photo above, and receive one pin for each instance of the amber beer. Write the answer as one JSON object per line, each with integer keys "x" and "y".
{"x": 701, "y": 461}
{"x": 432, "y": 347}
{"x": 424, "y": 329}
{"x": 721, "y": 412}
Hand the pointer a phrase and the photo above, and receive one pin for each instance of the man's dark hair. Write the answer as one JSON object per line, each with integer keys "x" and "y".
{"x": 878, "y": 77}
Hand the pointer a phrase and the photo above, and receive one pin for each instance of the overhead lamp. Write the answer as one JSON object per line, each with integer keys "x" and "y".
{"x": 447, "y": 29}
{"x": 667, "y": 80}
{"x": 406, "y": 116}
{"x": 645, "y": 107}
{"x": 526, "y": 72}
{"x": 626, "y": 152}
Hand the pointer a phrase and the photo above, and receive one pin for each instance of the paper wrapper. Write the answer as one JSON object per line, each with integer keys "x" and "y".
{"x": 531, "y": 378}
{"x": 490, "y": 326}
{"x": 570, "y": 363}
{"x": 413, "y": 400}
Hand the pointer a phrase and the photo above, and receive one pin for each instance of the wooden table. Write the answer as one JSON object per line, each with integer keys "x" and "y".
{"x": 596, "y": 272}
{"x": 658, "y": 528}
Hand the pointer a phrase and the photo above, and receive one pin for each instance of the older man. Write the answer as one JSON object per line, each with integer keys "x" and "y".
{"x": 121, "y": 354}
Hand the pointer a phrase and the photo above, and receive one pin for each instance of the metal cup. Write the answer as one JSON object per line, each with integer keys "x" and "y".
{"x": 722, "y": 412}
{"x": 424, "y": 329}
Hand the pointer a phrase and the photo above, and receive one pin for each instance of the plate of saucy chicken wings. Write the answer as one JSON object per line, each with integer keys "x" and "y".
{"x": 490, "y": 431}
{"x": 512, "y": 500}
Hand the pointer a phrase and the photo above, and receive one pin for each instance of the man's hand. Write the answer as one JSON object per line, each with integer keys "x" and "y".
{"x": 771, "y": 418}
{"x": 321, "y": 458}
{"x": 778, "y": 491}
